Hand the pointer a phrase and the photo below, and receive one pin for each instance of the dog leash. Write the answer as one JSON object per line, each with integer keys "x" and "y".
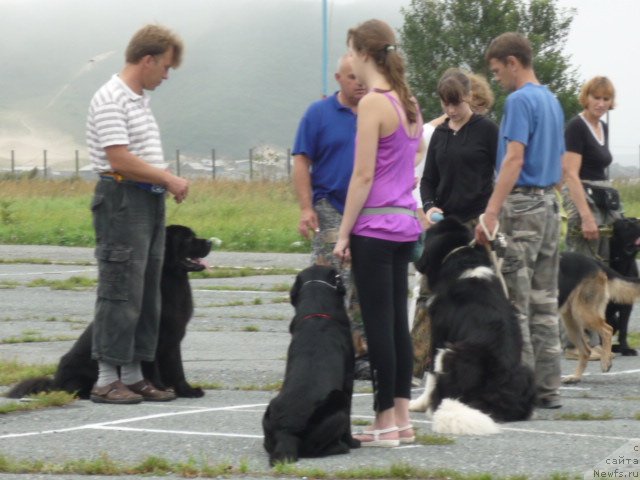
{"x": 497, "y": 242}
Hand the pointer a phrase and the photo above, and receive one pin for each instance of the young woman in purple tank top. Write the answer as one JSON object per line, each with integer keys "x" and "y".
{"x": 379, "y": 226}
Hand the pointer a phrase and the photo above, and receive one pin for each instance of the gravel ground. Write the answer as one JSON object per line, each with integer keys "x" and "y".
{"x": 238, "y": 340}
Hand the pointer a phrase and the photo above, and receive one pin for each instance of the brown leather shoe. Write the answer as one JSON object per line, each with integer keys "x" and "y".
{"x": 115, "y": 392}
{"x": 150, "y": 393}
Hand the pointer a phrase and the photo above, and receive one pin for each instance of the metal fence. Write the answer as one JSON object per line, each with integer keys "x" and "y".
{"x": 262, "y": 163}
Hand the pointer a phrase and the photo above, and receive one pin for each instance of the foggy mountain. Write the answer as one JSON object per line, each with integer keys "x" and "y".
{"x": 250, "y": 69}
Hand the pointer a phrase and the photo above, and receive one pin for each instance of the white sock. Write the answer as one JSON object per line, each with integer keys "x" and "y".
{"x": 131, "y": 373}
{"x": 107, "y": 373}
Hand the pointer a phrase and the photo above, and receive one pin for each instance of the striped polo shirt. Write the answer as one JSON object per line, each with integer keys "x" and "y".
{"x": 119, "y": 116}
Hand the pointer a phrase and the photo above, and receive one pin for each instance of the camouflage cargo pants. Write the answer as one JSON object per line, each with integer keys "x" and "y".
{"x": 531, "y": 223}
{"x": 323, "y": 243}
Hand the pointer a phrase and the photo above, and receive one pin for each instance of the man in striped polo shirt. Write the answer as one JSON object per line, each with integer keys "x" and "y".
{"x": 129, "y": 217}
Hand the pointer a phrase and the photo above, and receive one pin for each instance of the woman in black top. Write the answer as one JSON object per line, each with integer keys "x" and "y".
{"x": 585, "y": 166}
{"x": 459, "y": 170}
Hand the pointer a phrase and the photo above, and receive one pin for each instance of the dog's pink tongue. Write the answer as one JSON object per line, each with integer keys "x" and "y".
{"x": 201, "y": 261}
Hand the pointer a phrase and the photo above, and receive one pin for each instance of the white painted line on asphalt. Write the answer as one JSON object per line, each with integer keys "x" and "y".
{"x": 61, "y": 272}
{"x": 178, "y": 432}
{"x": 133, "y": 419}
{"x": 606, "y": 374}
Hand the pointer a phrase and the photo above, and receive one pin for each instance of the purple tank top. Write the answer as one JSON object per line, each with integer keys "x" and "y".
{"x": 392, "y": 186}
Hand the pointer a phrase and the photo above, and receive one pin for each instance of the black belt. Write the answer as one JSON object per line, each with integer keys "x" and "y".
{"x": 149, "y": 187}
{"x": 533, "y": 190}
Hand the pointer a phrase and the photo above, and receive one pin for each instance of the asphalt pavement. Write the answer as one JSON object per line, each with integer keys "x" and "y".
{"x": 236, "y": 345}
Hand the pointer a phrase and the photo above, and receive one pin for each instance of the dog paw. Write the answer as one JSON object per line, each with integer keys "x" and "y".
{"x": 189, "y": 392}
{"x": 417, "y": 405}
{"x": 569, "y": 379}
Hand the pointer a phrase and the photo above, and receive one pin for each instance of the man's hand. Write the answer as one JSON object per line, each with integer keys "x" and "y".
{"x": 178, "y": 187}
{"x": 308, "y": 222}
{"x": 590, "y": 228}
{"x": 490, "y": 222}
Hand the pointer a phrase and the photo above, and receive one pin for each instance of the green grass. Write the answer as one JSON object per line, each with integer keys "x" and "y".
{"x": 236, "y": 272}
{"x": 633, "y": 339}
{"x": 12, "y": 371}
{"x": 38, "y": 402}
{"x": 29, "y": 336}
{"x": 71, "y": 283}
{"x": 585, "y": 416}
{"x": 255, "y": 216}
{"x": 192, "y": 468}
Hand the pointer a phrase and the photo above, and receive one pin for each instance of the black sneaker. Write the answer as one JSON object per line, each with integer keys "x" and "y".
{"x": 549, "y": 402}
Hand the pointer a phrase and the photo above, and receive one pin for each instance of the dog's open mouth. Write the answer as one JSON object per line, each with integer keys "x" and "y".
{"x": 194, "y": 264}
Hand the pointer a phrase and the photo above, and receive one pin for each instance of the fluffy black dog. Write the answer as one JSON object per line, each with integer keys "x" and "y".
{"x": 310, "y": 417}
{"x": 476, "y": 339}
{"x": 77, "y": 372}
{"x": 623, "y": 247}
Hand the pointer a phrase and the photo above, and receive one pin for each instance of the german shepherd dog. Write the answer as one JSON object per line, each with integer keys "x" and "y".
{"x": 585, "y": 287}
{"x": 77, "y": 372}
{"x": 475, "y": 371}
{"x": 623, "y": 247}
{"x": 311, "y": 415}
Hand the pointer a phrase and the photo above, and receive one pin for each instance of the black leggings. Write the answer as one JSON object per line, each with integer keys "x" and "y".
{"x": 380, "y": 269}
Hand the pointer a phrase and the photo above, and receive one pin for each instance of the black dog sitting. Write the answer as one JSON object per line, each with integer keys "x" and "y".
{"x": 310, "y": 417}
{"x": 77, "y": 372}
{"x": 623, "y": 247}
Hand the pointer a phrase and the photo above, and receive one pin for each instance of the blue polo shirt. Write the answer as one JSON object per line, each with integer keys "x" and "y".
{"x": 533, "y": 116}
{"x": 327, "y": 134}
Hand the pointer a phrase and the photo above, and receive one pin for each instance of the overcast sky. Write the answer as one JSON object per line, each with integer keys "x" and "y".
{"x": 604, "y": 40}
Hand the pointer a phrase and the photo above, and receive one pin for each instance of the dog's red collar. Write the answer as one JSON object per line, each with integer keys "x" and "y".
{"x": 322, "y": 315}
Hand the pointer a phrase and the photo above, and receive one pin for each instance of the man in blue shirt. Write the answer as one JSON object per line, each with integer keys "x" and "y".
{"x": 323, "y": 155}
{"x": 529, "y": 164}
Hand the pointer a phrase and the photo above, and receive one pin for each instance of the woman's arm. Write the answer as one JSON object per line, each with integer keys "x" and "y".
{"x": 571, "y": 163}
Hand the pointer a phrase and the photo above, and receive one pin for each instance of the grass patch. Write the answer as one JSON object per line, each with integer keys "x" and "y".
{"x": 12, "y": 371}
{"x": 71, "y": 283}
{"x": 251, "y": 328}
{"x": 43, "y": 261}
{"x": 56, "y": 212}
{"x": 360, "y": 422}
{"x": 281, "y": 300}
{"x": 9, "y": 284}
{"x": 38, "y": 402}
{"x": 633, "y": 339}
{"x": 269, "y": 387}
{"x": 585, "y": 416}
{"x": 35, "y": 337}
{"x": 426, "y": 439}
{"x": 240, "y": 272}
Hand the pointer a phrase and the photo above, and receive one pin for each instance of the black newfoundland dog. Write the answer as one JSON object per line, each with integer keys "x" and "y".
{"x": 77, "y": 372}
{"x": 475, "y": 374}
{"x": 310, "y": 416}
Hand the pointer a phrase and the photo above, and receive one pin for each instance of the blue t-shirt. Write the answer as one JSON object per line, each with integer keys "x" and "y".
{"x": 327, "y": 135}
{"x": 533, "y": 116}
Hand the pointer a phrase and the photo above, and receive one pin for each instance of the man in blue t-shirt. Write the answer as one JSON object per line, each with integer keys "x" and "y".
{"x": 323, "y": 155}
{"x": 529, "y": 165}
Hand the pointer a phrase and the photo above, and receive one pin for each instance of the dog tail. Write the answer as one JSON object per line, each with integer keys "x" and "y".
{"x": 455, "y": 418}
{"x": 31, "y": 386}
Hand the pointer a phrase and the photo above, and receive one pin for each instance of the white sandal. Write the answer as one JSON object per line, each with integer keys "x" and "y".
{"x": 405, "y": 440}
{"x": 376, "y": 441}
